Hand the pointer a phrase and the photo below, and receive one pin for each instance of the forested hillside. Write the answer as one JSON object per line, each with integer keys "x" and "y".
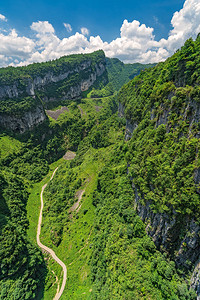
{"x": 163, "y": 105}
{"x": 103, "y": 242}
{"x": 120, "y": 73}
{"x": 26, "y": 91}
{"x": 162, "y": 108}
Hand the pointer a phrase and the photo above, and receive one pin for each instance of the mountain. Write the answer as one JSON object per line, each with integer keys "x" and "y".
{"x": 162, "y": 112}
{"x": 122, "y": 210}
{"x": 120, "y": 73}
{"x": 26, "y": 91}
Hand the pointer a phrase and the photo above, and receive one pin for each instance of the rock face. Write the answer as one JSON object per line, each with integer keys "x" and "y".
{"x": 20, "y": 124}
{"x": 195, "y": 279}
{"x": 75, "y": 89}
{"x": 130, "y": 127}
{"x": 67, "y": 81}
{"x": 179, "y": 237}
{"x": 16, "y": 89}
{"x": 191, "y": 114}
{"x": 41, "y": 83}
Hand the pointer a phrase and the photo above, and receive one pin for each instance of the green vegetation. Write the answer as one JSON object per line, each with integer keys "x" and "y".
{"x": 104, "y": 92}
{"x": 125, "y": 262}
{"x": 11, "y": 75}
{"x": 22, "y": 270}
{"x": 20, "y": 80}
{"x": 104, "y": 243}
{"x": 164, "y": 150}
{"x": 8, "y": 146}
{"x": 23, "y": 165}
{"x": 101, "y": 239}
{"x": 120, "y": 73}
{"x": 17, "y": 106}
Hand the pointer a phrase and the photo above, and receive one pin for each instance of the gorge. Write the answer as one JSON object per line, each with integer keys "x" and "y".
{"x": 136, "y": 234}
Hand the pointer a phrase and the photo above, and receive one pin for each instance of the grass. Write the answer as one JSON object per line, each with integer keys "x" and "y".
{"x": 75, "y": 247}
{"x": 8, "y": 146}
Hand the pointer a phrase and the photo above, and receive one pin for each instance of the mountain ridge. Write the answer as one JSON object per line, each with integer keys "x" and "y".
{"x": 162, "y": 111}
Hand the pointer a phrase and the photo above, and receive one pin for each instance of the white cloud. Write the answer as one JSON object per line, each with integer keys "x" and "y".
{"x": 14, "y": 45}
{"x": 185, "y": 23}
{"x": 42, "y": 27}
{"x": 4, "y": 60}
{"x": 135, "y": 30}
{"x": 49, "y": 46}
{"x": 136, "y": 42}
{"x": 3, "y": 18}
{"x": 84, "y": 31}
{"x": 68, "y": 27}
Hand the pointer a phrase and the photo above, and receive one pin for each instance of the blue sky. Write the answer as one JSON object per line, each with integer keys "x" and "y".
{"x": 137, "y": 30}
{"x": 101, "y": 17}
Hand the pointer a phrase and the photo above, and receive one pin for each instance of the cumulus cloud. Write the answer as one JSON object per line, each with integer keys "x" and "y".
{"x": 14, "y": 45}
{"x": 68, "y": 27}
{"x": 42, "y": 27}
{"x": 84, "y": 31}
{"x": 49, "y": 46}
{"x": 185, "y": 23}
{"x": 136, "y": 41}
{"x": 135, "y": 30}
{"x": 3, "y": 18}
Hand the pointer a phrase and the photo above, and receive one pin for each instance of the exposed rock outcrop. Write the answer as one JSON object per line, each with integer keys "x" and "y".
{"x": 171, "y": 233}
{"x": 191, "y": 114}
{"x": 130, "y": 127}
{"x": 195, "y": 279}
{"x": 67, "y": 81}
{"x": 20, "y": 124}
{"x": 37, "y": 83}
{"x": 177, "y": 236}
{"x": 17, "y": 89}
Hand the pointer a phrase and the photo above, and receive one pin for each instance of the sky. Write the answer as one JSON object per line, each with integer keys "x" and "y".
{"x": 144, "y": 31}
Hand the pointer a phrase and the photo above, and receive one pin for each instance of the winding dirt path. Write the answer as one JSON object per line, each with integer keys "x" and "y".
{"x": 47, "y": 249}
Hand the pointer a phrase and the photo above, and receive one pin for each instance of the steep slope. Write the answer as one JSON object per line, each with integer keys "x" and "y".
{"x": 120, "y": 73}
{"x": 22, "y": 270}
{"x": 162, "y": 111}
{"x": 25, "y": 90}
{"x": 103, "y": 243}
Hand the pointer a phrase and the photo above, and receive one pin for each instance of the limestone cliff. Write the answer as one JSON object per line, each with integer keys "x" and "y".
{"x": 62, "y": 79}
{"x": 162, "y": 111}
{"x": 179, "y": 237}
{"x": 20, "y": 124}
{"x": 130, "y": 126}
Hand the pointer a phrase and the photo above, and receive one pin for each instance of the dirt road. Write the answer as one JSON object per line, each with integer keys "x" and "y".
{"x": 47, "y": 249}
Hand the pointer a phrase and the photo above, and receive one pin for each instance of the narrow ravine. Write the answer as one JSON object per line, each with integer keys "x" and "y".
{"x": 47, "y": 249}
